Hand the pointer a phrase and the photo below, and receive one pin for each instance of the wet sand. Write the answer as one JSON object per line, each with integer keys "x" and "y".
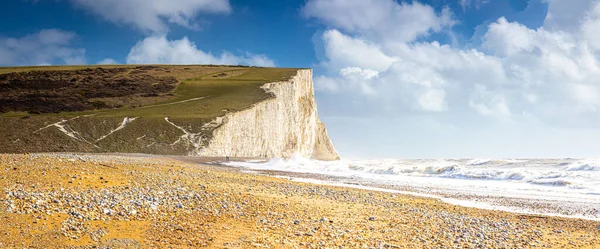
{"x": 141, "y": 201}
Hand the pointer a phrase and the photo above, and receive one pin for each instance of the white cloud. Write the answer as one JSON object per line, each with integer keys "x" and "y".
{"x": 325, "y": 83}
{"x": 50, "y": 46}
{"x": 432, "y": 99}
{"x": 343, "y": 51}
{"x": 416, "y": 75}
{"x": 567, "y": 15}
{"x": 488, "y": 103}
{"x": 153, "y": 15}
{"x": 591, "y": 26}
{"x": 380, "y": 19}
{"x": 108, "y": 61}
{"x": 509, "y": 39}
{"x": 546, "y": 73}
{"x": 160, "y": 50}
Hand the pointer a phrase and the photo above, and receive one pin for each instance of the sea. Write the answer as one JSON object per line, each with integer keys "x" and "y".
{"x": 565, "y": 187}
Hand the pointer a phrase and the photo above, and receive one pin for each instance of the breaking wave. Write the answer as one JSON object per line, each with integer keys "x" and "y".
{"x": 584, "y": 165}
{"x": 566, "y": 173}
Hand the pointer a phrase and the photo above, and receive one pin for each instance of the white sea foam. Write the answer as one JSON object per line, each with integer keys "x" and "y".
{"x": 584, "y": 165}
{"x": 560, "y": 181}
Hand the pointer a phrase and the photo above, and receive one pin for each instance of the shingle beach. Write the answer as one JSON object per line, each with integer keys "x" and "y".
{"x": 121, "y": 201}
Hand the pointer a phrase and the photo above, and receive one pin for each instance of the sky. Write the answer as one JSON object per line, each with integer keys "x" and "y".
{"x": 393, "y": 79}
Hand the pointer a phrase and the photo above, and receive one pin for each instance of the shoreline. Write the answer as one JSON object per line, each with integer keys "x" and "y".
{"x": 82, "y": 200}
{"x": 451, "y": 201}
{"x": 537, "y": 203}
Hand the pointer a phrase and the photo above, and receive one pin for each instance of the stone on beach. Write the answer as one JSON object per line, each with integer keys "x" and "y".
{"x": 159, "y": 202}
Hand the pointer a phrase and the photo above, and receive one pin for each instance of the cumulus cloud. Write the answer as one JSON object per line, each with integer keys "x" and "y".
{"x": 413, "y": 75}
{"x": 343, "y": 51}
{"x": 379, "y": 19}
{"x": 549, "y": 73}
{"x": 160, "y": 50}
{"x": 50, "y": 46}
{"x": 153, "y": 15}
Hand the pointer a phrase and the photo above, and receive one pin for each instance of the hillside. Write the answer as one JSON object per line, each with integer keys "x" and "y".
{"x": 160, "y": 110}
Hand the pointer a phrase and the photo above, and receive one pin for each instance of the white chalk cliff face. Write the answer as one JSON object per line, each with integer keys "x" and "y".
{"x": 283, "y": 126}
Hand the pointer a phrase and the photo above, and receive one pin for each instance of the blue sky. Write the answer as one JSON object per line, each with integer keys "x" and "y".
{"x": 410, "y": 79}
{"x": 274, "y": 28}
{"x": 271, "y": 27}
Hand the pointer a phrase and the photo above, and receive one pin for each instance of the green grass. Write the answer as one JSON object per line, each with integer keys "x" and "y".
{"x": 233, "y": 94}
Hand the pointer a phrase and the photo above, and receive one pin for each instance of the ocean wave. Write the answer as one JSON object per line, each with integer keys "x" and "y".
{"x": 494, "y": 162}
{"x": 584, "y": 165}
{"x": 486, "y": 175}
{"x": 478, "y": 162}
{"x": 512, "y": 176}
{"x": 555, "y": 182}
{"x": 441, "y": 170}
{"x": 569, "y": 173}
{"x": 445, "y": 171}
{"x": 396, "y": 168}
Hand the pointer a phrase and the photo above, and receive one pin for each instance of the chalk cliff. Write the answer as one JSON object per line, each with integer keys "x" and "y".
{"x": 283, "y": 126}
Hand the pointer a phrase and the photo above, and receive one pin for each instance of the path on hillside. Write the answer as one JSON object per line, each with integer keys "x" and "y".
{"x": 173, "y": 103}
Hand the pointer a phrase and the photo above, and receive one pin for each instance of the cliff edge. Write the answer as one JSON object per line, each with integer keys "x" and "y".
{"x": 283, "y": 126}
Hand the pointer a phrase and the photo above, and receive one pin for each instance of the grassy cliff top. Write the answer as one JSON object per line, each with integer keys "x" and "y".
{"x": 203, "y": 92}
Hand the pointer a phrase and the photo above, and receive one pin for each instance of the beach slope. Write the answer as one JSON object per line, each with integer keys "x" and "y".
{"x": 125, "y": 201}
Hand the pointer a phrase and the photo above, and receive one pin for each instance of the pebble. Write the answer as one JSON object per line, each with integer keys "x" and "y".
{"x": 159, "y": 198}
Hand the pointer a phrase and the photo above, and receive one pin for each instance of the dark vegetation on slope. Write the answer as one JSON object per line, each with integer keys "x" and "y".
{"x": 38, "y": 92}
